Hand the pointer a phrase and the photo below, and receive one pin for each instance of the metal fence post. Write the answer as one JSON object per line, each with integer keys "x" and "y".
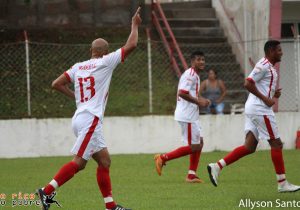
{"x": 27, "y": 74}
{"x": 149, "y": 70}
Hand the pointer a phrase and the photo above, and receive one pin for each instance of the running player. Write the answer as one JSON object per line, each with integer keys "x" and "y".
{"x": 187, "y": 115}
{"x": 91, "y": 80}
{"x": 260, "y": 121}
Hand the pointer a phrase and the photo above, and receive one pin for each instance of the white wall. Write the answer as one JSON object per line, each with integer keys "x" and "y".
{"x": 252, "y": 21}
{"x": 124, "y": 135}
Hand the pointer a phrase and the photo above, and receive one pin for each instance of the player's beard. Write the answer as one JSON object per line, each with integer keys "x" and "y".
{"x": 201, "y": 68}
{"x": 279, "y": 59}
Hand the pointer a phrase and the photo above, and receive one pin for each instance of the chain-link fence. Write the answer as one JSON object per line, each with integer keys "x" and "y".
{"x": 129, "y": 89}
{"x": 137, "y": 88}
{"x": 289, "y": 76}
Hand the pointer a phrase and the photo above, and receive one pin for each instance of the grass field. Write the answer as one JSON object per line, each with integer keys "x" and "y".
{"x": 136, "y": 184}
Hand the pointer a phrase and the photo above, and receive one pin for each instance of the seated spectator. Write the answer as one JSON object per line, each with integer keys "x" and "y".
{"x": 214, "y": 90}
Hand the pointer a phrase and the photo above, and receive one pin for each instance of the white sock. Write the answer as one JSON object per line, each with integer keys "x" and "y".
{"x": 192, "y": 172}
{"x": 281, "y": 179}
{"x": 222, "y": 163}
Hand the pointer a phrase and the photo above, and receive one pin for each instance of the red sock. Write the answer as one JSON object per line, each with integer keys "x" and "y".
{"x": 64, "y": 174}
{"x": 49, "y": 189}
{"x": 233, "y": 156}
{"x": 179, "y": 152}
{"x": 104, "y": 184}
{"x": 277, "y": 159}
{"x": 194, "y": 161}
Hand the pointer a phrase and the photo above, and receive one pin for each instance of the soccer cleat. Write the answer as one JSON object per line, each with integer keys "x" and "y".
{"x": 159, "y": 163}
{"x": 43, "y": 199}
{"x": 118, "y": 207}
{"x": 287, "y": 187}
{"x": 46, "y": 200}
{"x": 213, "y": 172}
{"x": 192, "y": 178}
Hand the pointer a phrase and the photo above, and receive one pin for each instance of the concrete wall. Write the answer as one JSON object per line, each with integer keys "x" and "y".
{"x": 252, "y": 22}
{"x": 65, "y": 13}
{"x": 290, "y": 11}
{"x": 124, "y": 135}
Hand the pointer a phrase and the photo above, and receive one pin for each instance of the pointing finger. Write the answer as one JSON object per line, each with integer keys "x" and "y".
{"x": 137, "y": 11}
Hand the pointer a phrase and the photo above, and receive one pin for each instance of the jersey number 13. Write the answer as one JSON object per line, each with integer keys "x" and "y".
{"x": 86, "y": 84}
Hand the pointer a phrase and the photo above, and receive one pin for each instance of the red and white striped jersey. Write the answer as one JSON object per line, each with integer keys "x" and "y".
{"x": 264, "y": 76}
{"x": 91, "y": 80}
{"x": 189, "y": 83}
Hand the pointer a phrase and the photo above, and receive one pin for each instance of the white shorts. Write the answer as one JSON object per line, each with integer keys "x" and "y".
{"x": 262, "y": 126}
{"x": 191, "y": 132}
{"x": 88, "y": 130}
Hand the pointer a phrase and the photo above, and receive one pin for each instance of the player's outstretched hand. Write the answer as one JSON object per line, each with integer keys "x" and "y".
{"x": 136, "y": 19}
{"x": 277, "y": 93}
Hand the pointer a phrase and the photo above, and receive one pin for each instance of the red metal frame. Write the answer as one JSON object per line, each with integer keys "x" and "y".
{"x": 155, "y": 20}
{"x": 275, "y": 33}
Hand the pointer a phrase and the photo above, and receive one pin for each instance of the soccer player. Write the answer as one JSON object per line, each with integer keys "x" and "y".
{"x": 259, "y": 120}
{"x": 91, "y": 80}
{"x": 187, "y": 115}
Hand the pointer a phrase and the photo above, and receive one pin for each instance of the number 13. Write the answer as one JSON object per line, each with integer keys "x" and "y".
{"x": 90, "y": 88}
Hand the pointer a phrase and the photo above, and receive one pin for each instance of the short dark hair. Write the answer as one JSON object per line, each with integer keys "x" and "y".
{"x": 271, "y": 44}
{"x": 196, "y": 53}
{"x": 213, "y": 70}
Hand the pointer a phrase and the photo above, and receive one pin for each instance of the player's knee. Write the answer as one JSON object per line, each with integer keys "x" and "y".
{"x": 201, "y": 144}
{"x": 280, "y": 145}
{"x": 81, "y": 166}
{"x": 251, "y": 149}
{"x": 276, "y": 143}
{"x": 81, "y": 163}
{"x": 105, "y": 163}
{"x": 196, "y": 147}
{"x": 199, "y": 148}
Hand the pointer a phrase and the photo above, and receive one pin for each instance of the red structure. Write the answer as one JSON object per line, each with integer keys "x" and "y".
{"x": 298, "y": 140}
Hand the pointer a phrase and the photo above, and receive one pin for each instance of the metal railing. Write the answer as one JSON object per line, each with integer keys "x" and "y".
{"x": 157, "y": 14}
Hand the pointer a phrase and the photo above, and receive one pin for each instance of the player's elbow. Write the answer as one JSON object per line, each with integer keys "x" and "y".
{"x": 55, "y": 85}
{"x": 247, "y": 84}
{"x": 132, "y": 46}
{"x": 182, "y": 95}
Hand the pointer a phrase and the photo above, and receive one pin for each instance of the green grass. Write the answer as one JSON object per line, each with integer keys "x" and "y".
{"x": 136, "y": 184}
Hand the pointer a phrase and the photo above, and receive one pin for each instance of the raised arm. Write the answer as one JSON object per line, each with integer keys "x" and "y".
{"x": 132, "y": 40}
{"x": 61, "y": 84}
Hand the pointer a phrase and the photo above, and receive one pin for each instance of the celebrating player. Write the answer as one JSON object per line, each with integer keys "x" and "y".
{"x": 260, "y": 121}
{"x": 187, "y": 115}
{"x": 91, "y": 80}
